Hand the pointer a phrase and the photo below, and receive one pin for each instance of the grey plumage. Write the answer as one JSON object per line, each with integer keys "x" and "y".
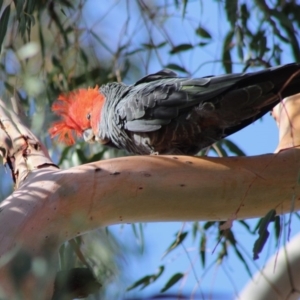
{"x": 167, "y": 114}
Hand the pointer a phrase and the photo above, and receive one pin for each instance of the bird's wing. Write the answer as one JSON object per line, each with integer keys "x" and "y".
{"x": 227, "y": 103}
{"x": 158, "y": 98}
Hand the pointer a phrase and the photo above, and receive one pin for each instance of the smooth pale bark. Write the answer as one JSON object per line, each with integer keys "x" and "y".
{"x": 279, "y": 279}
{"x": 51, "y": 206}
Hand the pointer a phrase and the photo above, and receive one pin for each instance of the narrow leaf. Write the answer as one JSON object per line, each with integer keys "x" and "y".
{"x": 60, "y": 27}
{"x": 153, "y": 46}
{"x": 174, "y": 279}
{"x": 30, "y": 6}
{"x": 203, "y": 32}
{"x": 184, "y": 7}
{"x": 259, "y": 244}
{"x": 277, "y": 226}
{"x": 41, "y": 37}
{"x": 242, "y": 259}
{"x": 195, "y": 229}
{"x": 263, "y": 233}
{"x": 176, "y": 68}
{"x": 64, "y": 154}
{"x": 19, "y": 7}
{"x": 244, "y": 15}
{"x": 180, "y": 48}
{"x": 233, "y": 148}
{"x": 208, "y": 224}
{"x": 143, "y": 282}
{"x": 202, "y": 44}
{"x": 226, "y": 57}
{"x": 81, "y": 156}
{"x": 246, "y": 225}
{"x": 97, "y": 156}
{"x": 231, "y": 11}
{"x": 3, "y": 23}
{"x": 219, "y": 150}
{"x": 146, "y": 280}
{"x": 265, "y": 221}
{"x": 240, "y": 42}
{"x": 203, "y": 249}
{"x": 179, "y": 239}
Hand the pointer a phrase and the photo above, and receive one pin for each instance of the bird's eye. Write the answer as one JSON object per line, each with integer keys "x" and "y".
{"x": 88, "y": 116}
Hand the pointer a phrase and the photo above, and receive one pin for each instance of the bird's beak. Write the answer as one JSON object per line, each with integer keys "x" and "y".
{"x": 89, "y": 136}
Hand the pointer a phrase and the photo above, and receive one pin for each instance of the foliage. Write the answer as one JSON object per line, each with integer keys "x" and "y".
{"x": 48, "y": 47}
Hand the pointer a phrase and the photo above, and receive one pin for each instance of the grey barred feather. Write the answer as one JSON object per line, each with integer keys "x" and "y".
{"x": 162, "y": 113}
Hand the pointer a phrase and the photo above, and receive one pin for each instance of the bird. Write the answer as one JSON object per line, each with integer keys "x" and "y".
{"x": 163, "y": 113}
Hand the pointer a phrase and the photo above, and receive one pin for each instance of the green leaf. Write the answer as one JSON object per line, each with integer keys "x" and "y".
{"x": 1, "y": 3}
{"x": 22, "y": 25}
{"x": 208, "y": 224}
{"x": 60, "y": 27}
{"x": 146, "y": 280}
{"x": 143, "y": 282}
{"x": 244, "y": 15}
{"x": 259, "y": 243}
{"x": 30, "y": 6}
{"x": 202, "y": 44}
{"x": 240, "y": 42}
{"x": 174, "y": 279}
{"x": 203, "y": 32}
{"x": 64, "y": 154}
{"x": 134, "y": 51}
{"x": 97, "y": 156}
{"x": 233, "y": 148}
{"x": 139, "y": 234}
{"x": 9, "y": 87}
{"x": 180, "y": 48}
{"x": 19, "y": 7}
{"x": 218, "y": 149}
{"x": 195, "y": 229}
{"x": 179, "y": 239}
{"x": 283, "y": 19}
{"x": 83, "y": 57}
{"x": 57, "y": 63}
{"x": 226, "y": 56}
{"x": 293, "y": 41}
{"x": 231, "y": 7}
{"x": 263, "y": 232}
{"x": 81, "y": 156}
{"x": 262, "y": 46}
{"x": 3, "y": 23}
{"x": 153, "y": 46}
{"x": 266, "y": 220}
{"x": 246, "y": 225}
{"x": 242, "y": 259}
{"x": 41, "y": 37}
{"x": 230, "y": 236}
{"x": 203, "y": 249}
{"x": 176, "y": 68}
{"x": 277, "y": 226}
{"x": 67, "y": 3}
{"x": 184, "y": 8}
{"x": 63, "y": 12}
